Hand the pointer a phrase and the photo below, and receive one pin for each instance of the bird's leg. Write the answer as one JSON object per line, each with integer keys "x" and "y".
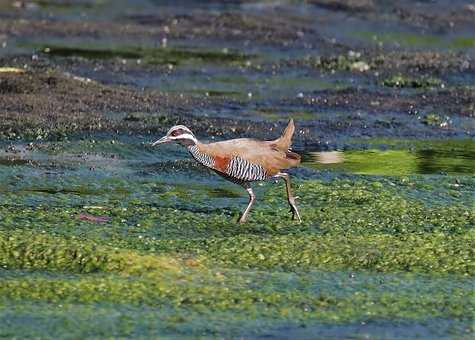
{"x": 252, "y": 197}
{"x": 290, "y": 197}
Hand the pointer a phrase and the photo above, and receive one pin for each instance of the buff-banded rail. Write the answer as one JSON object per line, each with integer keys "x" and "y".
{"x": 243, "y": 160}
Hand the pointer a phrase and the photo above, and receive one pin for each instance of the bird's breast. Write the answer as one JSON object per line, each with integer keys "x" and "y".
{"x": 219, "y": 163}
{"x": 201, "y": 157}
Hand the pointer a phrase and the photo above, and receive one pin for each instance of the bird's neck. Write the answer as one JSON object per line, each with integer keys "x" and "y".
{"x": 200, "y": 156}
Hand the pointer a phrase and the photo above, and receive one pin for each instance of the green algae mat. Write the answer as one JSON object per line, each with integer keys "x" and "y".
{"x": 139, "y": 245}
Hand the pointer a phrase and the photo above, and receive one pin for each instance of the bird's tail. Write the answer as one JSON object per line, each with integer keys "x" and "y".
{"x": 284, "y": 141}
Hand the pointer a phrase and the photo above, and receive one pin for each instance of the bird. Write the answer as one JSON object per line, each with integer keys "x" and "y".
{"x": 243, "y": 160}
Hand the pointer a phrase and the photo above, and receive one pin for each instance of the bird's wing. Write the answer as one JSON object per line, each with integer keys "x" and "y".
{"x": 263, "y": 153}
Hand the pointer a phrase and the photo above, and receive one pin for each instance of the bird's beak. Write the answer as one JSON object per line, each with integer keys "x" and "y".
{"x": 162, "y": 140}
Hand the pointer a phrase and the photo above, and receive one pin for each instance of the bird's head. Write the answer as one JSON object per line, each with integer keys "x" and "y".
{"x": 180, "y": 134}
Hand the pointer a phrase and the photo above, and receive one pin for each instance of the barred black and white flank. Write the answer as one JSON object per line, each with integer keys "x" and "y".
{"x": 246, "y": 171}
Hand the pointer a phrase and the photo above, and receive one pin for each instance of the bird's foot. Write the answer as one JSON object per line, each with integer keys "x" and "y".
{"x": 295, "y": 213}
{"x": 294, "y": 210}
{"x": 242, "y": 219}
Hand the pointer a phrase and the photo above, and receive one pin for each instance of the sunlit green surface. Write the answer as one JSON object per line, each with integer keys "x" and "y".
{"x": 449, "y": 157}
{"x": 172, "y": 260}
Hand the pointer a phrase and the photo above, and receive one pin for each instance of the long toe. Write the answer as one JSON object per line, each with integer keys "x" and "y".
{"x": 241, "y": 219}
{"x": 296, "y": 213}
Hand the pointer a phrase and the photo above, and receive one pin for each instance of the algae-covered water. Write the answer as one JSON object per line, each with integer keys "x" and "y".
{"x": 103, "y": 236}
{"x": 124, "y": 240}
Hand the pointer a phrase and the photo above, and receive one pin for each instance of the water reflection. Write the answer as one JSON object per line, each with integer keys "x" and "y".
{"x": 328, "y": 157}
{"x": 394, "y": 162}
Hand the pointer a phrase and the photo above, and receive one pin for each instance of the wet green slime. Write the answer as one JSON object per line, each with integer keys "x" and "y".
{"x": 167, "y": 255}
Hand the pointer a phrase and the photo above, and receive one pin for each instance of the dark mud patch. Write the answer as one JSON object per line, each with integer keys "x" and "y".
{"x": 437, "y": 17}
{"x": 197, "y": 27}
{"x": 55, "y": 105}
{"x": 15, "y": 161}
{"x": 411, "y": 62}
{"x": 44, "y": 104}
{"x": 450, "y": 101}
{"x": 275, "y": 28}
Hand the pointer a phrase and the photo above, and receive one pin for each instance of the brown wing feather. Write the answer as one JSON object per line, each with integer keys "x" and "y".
{"x": 273, "y": 156}
{"x": 264, "y": 153}
{"x": 283, "y": 142}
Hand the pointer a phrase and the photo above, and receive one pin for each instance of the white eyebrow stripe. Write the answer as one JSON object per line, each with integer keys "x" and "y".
{"x": 186, "y": 136}
{"x": 178, "y": 127}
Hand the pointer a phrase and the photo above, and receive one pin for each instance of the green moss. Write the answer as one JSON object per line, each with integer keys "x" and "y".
{"x": 462, "y": 42}
{"x": 171, "y": 259}
{"x": 324, "y": 305}
{"x": 406, "y": 81}
{"x": 26, "y": 250}
{"x": 441, "y": 145}
{"x": 347, "y": 225}
{"x": 279, "y": 296}
{"x": 413, "y": 304}
{"x": 340, "y": 62}
{"x": 164, "y": 55}
{"x": 430, "y": 254}
{"x": 432, "y": 119}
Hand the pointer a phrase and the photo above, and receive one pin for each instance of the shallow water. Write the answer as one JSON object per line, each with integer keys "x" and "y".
{"x": 157, "y": 201}
{"x": 454, "y": 157}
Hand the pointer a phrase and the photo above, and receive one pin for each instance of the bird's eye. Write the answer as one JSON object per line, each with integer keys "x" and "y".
{"x": 175, "y": 133}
